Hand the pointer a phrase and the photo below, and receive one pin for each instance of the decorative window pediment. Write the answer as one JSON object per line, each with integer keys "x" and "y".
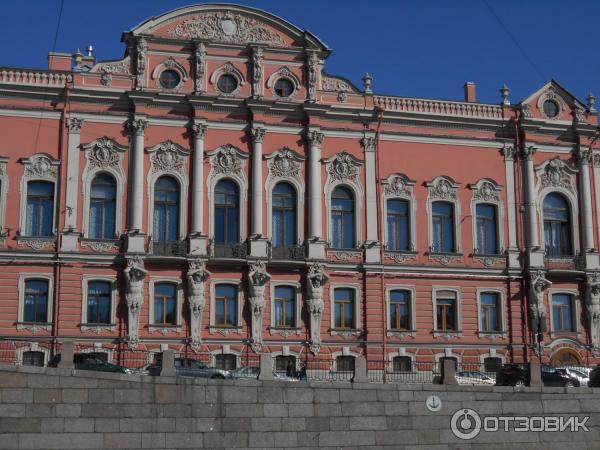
{"x": 551, "y": 94}
{"x": 285, "y": 163}
{"x": 41, "y": 166}
{"x": 443, "y": 188}
{"x": 343, "y": 167}
{"x": 227, "y": 160}
{"x": 104, "y": 153}
{"x": 486, "y": 190}
{"x": 168, "y": 157}
{"x": 398, "y": 185}
{"x": 556, "y": 173}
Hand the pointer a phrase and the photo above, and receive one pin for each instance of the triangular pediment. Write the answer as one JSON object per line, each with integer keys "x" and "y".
{"x": 553, "y": 102}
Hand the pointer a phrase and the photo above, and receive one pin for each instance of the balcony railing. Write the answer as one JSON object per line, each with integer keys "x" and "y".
{"x": 239, "y": 250}
{"x": 291, "y": 252}
{"x": 168, "y": 248}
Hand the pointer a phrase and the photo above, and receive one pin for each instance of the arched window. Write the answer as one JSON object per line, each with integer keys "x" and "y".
{"x": 442, "y": 227}
{"x": 165, "y": 304}
{"x": 103, "y": 207}
{"x": 227, "y": 216}
{"x": 487, "y": 229}
{"x": 557, "y": 226}
{"x": 342, "y": 218}
{"x": 398, "y": 228}
{"x": 166, "y": 210}
{"x": 284, "y": 215}
{"x": 40, "y": 208}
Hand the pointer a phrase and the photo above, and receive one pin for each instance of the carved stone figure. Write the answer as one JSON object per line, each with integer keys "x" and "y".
{"x": 315, "y": 284}
{"x": 538, "y": 284}
{"x": 592, "y": 304}
{"x": 140, "y": 67}
{"x": 134, "y": 276}
{"x": 257, "y": 71}
{"x": 197, "y": 275}
{"x": 257, "y": 280}
{"x": 199, "y": 67}
{"x": 313, "y": 71}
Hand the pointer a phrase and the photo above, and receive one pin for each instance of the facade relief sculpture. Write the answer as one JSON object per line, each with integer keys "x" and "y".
{"x": 257, "y": 71}
{"x": 257, "y": 281}
{"x": 315, "y": 286}
{"x": 592, "y": 305}
{"x": 538, "y": 284}
{"x": 197, "y": 275}
{"x": 141, "y": 49}
{"x": 135, "y": 273}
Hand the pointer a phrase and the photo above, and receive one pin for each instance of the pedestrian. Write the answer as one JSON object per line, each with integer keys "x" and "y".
{"x": 302, "y": 373}
{"x": 289, "y": 370}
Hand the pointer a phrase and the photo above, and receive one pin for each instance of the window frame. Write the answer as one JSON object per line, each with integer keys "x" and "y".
{"x": 434, "y": 296}
{"x": 152, "y": 207}
{"x": 239, "y": 285}
{"x": 296, "y": 327}
{"x": 165, "y": 328}
{"x": 284, "y": 72}
{"x": 486, "y": 191}
{"x": 436, "y": 194}
{"x": 502, "y": 321}
{"x": 575, "y": 311}
{"x": 229, "y": 69}
{"x": 85, "y": 325}
{"x": 573, "y": 222}
{"x": 34, "y": 326}
{"x": 392, "y": 190}
{"x": 225, "y": 350}
{"x": 357, "y": 330}
{"x": 32, "y": 347}
{"x": 412, "y": 313}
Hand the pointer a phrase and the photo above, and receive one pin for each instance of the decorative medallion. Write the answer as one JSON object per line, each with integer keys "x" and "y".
{"x": 227, "y": 160}
{"x": 556, "y": 173}
{"x": 398, "y": 186}
{"x": 486, "y": 191}
{"x": 285, "y": 163}
{"x": 103, "y": 153}
{"x": 41, "y": 166}
{"x": 442, "y": 188}
{"x": 226, "y": 27}
{"x": 343, "y": 167}
{"x": 331, "y": 84}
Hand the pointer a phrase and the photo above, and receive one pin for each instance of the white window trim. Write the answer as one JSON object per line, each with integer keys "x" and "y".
{"x": 225, "y": 350}
{"x": 285, "y": 73}
{"x": 401, "y": 352}
{"x": 412, "y": 305}
{"x": 493, "y": 199}
{"x": 23, "y": 277}
{"x": 345, "y": 352}
{"x": 574, "y": 215}
{"x": 164, "y": 329}
{"x": 4, "y": 179}
{"x": 90, "y": 172}
{"x": 501, "y": 313}
{"x": 214, "y": 328}
{"x": 169, "y": 63}
{"x": 85, "y": 325}
{"x": 238, "y": 177}
{"x": 575, "y": 311}
{"x": 32, "y": 347}
{"x": 452, "y": 198}
{"x": 436, "y": 331}
{"x": 492, "y": 354}
{"x": 296, "y": 328}
{"x": 357, "y": 330}
{"x": 34, "y": 171}
{"x": 399, "y": 187}
{"x": 448, "y": 353}
{"x": 229, "y": 69}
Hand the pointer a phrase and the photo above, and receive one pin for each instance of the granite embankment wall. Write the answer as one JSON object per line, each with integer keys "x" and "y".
{"x": 65, "y": 409}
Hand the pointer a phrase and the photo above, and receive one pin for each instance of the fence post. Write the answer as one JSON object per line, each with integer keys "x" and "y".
{"x": 449, "y": 371}
{"x": 168, "y": 364}
{"x": 535, "y": 374}
{"x": 360, "y": 370}
{"x": 66, "y": 355}
{"x": 266, "y": 367}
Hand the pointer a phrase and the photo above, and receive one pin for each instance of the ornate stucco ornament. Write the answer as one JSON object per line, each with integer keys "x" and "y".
{"x": 134, "y": 276}
{"x": 103, "y": 153}
{"x": 398, "y": 186}
{"x": 537, "y": 285}
{"x": 442, "y": 188}
{"x": 197, "y": 275}
{"x": 285, "y": 163}
{"x": 141, "y": 49}
{"x": 343, "y": 167}
{"x": 315, "y": 284}
{"x": 486, "y": 191}
{"x": 257, "y": 71}
{"x": 592, "y": 306}
{"x": 199, "y": 67}
{"x": 110, "y": 68}
{"x": 257, "y": 281}
{"x": 226, "y": 27}
{"x": 167, "y": 157}
{"x": 556, "y": 173}
{"x": 227, "y": 160}
{"x": 41, "y": 166}
{"x": 312, "y": 72}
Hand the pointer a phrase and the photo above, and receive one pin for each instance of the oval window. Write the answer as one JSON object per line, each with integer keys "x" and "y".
{"x": 284, "y": 87}
{"x": 227, "y": 84}
{"x": 169, "y": 79}
{"x": 550, "y": 109}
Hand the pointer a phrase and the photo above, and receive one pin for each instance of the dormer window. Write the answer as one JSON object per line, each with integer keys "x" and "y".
{"x": 551, "y": 109}
{"x": 284, "y": 87}
{"x": 227, "y": 83}
{"x": 169, "y": 79}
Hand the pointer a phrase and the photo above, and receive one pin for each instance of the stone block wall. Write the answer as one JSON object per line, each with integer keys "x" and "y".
{"x": 42, "y": 408}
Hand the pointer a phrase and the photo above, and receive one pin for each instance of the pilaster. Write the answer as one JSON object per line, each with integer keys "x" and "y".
{"x": 315, "y": 244}
{"x": 509, "y": 153}
{"x": 257, "y": 242}
{"x": 372, "y": 244}
{"x": 198, "y": 240}
{"x": 135, "y": 232}
{"x": 70, "y": 235}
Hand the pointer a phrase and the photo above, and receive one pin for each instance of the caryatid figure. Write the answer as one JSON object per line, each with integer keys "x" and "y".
{"x": 592, "y": 304}
{"x": 197, "y": 275}
{"x": 315, "y": 284}
{"x": 538, "y": 284}
{"x": 257, "y": 281}
{"x": 134, "y": 277}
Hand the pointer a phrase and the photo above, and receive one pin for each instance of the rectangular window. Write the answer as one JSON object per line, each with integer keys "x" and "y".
{"x": 487, "y": 233}
{"x": 442, "y": 222}
{"x": 344, "y": 308}
{"x": 36, "y": 301}
{"x": 285, "y": 306}
{"x": 226, "y": 361}
{"x": 398, "y": 226}
{"x": 490, "y": 312}
{"x": 165, "y": 304}
{"x": 226, "y": 305}
{"x": 98, "y": 302}
{"x": 400, "y": 310}
{"x": 33, "y": 359}
{"x": 562, "y": 312}
{"x": 40, "y": 209}
{"x": 446, "y": 311}
{"x": 402, "y": 364}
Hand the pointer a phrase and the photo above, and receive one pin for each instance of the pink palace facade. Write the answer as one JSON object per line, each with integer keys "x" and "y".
{"x": 217, "y": 190}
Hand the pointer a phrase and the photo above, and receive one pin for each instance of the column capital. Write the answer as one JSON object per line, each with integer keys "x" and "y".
{"x": 136, "y": 127}
{"x": 315, "y": 137}
{"x": 368, "y": 143}
{"x": 198, "y": 129}
{"x": 509, "y": 153}
{"x": 527, "y": 152}
{"x": 584, "y": 155}
{"x": 258, "y": 134}
{"x": 74, "y": 125}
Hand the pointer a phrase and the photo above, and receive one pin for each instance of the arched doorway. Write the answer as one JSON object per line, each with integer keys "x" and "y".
{"x": 566, "y": 357}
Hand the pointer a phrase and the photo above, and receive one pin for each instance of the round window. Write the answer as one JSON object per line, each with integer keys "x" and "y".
{"x": 227, "y": 84}
{"x": 550, "y": 109}
{"x": 284, "y": 87}
{"x": 169, "y": 79}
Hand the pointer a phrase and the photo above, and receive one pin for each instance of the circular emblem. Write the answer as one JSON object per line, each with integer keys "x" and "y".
{"x": 225, "y": 161}
{"x": 465, "y": 424}
{"x": 433, "y": 403}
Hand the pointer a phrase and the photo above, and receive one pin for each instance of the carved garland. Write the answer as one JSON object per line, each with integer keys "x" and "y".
{"x": 285, "y": 163}
{"x": 168, "y": 157}
{"x": 343, "y": 167}
{"x": 556, "y": 173}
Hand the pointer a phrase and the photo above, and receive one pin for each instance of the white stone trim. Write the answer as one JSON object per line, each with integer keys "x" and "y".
{"x": 574, "y": 215}
{"x": 85, "y": 325}
{"x": 5, "y": 184}
{"x": 401, "y": 352}
{"x": 448, "y": 353}
{"x": 486, "y": 191}
{"x": 452, "y": 198}
{"x": 32, "y": 347}
{"x": 169, "y": 63}
{"x": 23, "y": 277}
{"x": 240, "y": 304}
{"x": 283, "y": 73}
{"x": 399, "y": 186}
{"x": 436, "y": 331}
{"x": 98, "y": 348}
{"x": 298, "y": 307}
{"x": 575, "y": 311}
{"x": 345, "y": 352}
{"x": 357, "y": 316}
{"x": 152, "y": 327}
{"x": 501, "y": 313}
{"x": 225, "y": 350}
{"x": 412, "y": 305}
{"x": 358, "y": 209}
{"x": 492, "y": 354}
{"x": 229, "y": 69}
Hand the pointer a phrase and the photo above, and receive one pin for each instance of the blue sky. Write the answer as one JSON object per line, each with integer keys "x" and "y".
{"x": 426, "y": 48}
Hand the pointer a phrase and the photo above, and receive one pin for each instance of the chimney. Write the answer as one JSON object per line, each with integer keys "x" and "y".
{"x": 470, "y": 92}
{"x": 59, "y": 61}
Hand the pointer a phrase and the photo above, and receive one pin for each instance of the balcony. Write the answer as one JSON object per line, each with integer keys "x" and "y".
{"x": 168, "y": 248}
{"x": 239, "y": 250}
{"x": 292, "y": 252}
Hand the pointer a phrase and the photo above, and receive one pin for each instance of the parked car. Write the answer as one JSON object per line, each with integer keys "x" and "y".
{"x": 580, "y": 373}
{"x": 190, "y": 368}
{"x": 83, "y": 361}
{"x": 252, "y": 373}
{"x": 595, "y": 377}
{"x": 473, "y": 377}
{"x": 518, "y": 375}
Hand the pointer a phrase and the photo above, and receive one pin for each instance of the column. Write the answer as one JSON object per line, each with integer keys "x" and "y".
{"x": 529, "y": 182}
{"x": 198, "y": 130}
{"x": 70, "y": 235}
{"x": 584, "y": 158}
{"x": 508, "y": 151}
{"x": 136, "y": 127}
{"x": 316, "y": 244}
{"x": 256, "y": 229}
{"x": 372, "y": 252}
